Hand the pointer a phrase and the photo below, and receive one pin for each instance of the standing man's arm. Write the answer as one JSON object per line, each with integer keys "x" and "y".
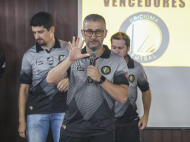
{"x": 56, "y": 74}
{"x": 23, "y": 97}
{"x": 63, "y": 85}
{"x": 146, "y": 99}
{"x": 118, "y": 92}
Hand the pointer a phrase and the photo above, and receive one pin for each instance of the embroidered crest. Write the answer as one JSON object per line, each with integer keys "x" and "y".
{"x": 131, "y": 78}
{"x": 106, "y": 70}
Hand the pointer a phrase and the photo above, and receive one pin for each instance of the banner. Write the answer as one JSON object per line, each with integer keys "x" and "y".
{"x": 158, "y": 29}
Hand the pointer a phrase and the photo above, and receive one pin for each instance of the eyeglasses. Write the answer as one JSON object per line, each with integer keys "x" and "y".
{"x": 98, "y": 33}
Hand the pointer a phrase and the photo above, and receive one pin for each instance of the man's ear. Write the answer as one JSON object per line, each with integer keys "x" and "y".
{"x": 105, "y": 33}
{"x": 82, "y": 32}
{"x": 128, "y": 48}
{"x": 52, "y": 29}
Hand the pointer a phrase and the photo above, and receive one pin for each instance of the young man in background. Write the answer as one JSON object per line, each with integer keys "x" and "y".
{"x": 45, "y": 105}
{"x": 127, "y": 120}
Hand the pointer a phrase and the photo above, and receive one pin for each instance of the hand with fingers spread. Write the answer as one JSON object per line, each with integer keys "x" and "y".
{"x": 75, "y": 50}
{"x": 93, "y": 72}
{"x": 63, "y": 85}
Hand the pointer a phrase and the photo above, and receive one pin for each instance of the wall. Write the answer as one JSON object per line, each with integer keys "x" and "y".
{"x": 16, "y": 37}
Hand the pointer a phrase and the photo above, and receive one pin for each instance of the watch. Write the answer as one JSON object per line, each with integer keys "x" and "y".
{"x": 102, "y": 79}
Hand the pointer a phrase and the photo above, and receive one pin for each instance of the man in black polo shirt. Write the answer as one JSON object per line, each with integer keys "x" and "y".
{"x": 128, "y": 123}
{"x": 46, "y": 103}
{"x": 90, "y": 115}
{"x": 2, "y": 61}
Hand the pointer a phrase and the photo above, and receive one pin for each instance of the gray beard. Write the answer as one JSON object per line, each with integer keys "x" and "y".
{"x": 94, "y": 47}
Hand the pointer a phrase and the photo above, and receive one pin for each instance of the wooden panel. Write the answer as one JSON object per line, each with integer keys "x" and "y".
{"x": 16, "y": 38}
{"x": 177, "y": 136}
{"x": 186, "y": 135}
{"x": 147, "y": 136}
{"x": 66, "y": 19}
{"x": 167, "y": 135}
{"x": 2, "y": 80}
{"x": 30, "y": 11}
{"x": 10, "y": 87}
{"x": 157, "y": 136}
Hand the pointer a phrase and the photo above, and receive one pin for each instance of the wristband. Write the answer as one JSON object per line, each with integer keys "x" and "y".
{"x": 102, "y": 79}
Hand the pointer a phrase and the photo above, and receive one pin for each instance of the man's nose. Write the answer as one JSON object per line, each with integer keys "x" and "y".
{"x": 117, "y": 50}
{"x": 36, "y": 36}
{"x": 93, "y": 35}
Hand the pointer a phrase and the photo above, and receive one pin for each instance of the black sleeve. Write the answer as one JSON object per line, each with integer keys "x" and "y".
{"x": 121, "y": 79}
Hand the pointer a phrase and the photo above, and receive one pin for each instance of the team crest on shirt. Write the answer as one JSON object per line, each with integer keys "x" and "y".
{"x": 60, "y": 57}
{"x": 106, "y": 70}
{"x": 64, "y": 126}
{"x": 131, "y": 78}
{"x": 50, "y": 61}
{"x": 31, "y": 107}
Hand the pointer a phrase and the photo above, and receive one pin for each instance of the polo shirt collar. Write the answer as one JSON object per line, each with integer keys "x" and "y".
{"x": 130, "y": 63}
{"x": 56, "y": 45}
{"x": 106, "y": 53}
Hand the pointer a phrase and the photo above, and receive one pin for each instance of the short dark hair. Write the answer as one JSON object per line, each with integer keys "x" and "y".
{"x": 94, "y": 18}
{"x": 42, "y": 19}
{"x": 121, "y": 35}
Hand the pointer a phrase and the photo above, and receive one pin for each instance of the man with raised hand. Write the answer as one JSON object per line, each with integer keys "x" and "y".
{"x": 95, "y": 83}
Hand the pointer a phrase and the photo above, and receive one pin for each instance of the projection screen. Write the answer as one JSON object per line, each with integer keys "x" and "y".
{"x": 160, "y": 39}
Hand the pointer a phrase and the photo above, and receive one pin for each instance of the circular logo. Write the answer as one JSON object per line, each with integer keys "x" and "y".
{"x": 131, "y": 78}
{"x": 106, "y": 70}
{"x": 60, "y": 57}
{"x": 149, "y": 36}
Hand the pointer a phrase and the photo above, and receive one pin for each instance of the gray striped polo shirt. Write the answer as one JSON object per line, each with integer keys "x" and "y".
{"x": 125, "y": 113}
{"x": 91, "y": 109}
{"x": 36, "y": 63}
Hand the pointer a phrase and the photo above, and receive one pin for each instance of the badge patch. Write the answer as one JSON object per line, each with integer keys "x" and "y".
{"x": 131, "y": 78}
{"x": 106, "y": 70}
{"x": 31, "y": 107}
{"x": 60, "y": 57}
{"x": 64, "y": 126}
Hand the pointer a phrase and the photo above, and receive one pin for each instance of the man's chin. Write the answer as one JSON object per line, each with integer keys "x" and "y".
{"x": 94, "y": 47}
{"x": 42, "y": 44}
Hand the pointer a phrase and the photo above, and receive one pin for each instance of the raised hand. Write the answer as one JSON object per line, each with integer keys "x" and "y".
{"x": 75, "y": 50}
